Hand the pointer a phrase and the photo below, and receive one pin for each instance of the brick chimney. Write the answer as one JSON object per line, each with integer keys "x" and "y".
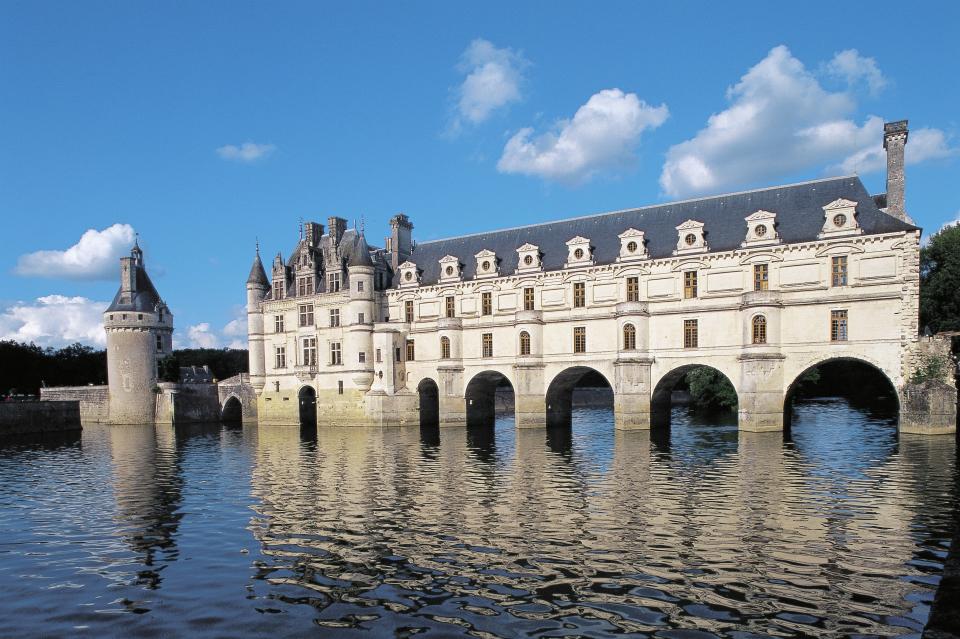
{"x": 894, "y": 141}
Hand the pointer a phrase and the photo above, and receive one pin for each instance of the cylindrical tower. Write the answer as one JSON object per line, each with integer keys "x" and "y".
{"x": 139, "y": 329}
{"x": 360, "y": 314}
{"x": 257, "y": 287}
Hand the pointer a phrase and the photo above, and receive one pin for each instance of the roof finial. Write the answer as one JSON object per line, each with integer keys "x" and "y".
{"x": 258, "y": 247}
{"x": 301, "y": 228}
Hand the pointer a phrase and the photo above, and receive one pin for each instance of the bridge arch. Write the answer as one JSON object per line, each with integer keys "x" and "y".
{"x": 429, "y": 402}
{"x": 661, "y": 398}
{"x": 307, "y": 406}
{"x": 480, "y": 396}
{"x": 559, "y": 397}
{"x": 874, "y": 384}
{"x": 232, "y": 410}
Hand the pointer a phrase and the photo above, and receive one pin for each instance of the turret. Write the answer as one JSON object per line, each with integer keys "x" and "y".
{"x": 257, "y": 288}
{"x": 895, "y": 141}
{"x": 139, "y": 329}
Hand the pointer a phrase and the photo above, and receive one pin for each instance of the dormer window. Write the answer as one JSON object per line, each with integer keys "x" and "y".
{"x": 761, "y": 229}
{"x": 487, "y": 264}
{"x": 528, "y": 258}
{"x": 579, "y": 252}
{"x": 839, "y": 219}
{"x": 449, "y": 268}
{"x": 690, "y": 238}
{"x": 409, "y": 276}
{"x": 632, "y": 246}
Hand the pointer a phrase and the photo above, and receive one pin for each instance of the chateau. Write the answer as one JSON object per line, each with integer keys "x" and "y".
{"x": 761, "y": 285}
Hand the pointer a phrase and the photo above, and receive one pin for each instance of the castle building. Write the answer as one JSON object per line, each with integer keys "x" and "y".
{"x": 761, "y": 285}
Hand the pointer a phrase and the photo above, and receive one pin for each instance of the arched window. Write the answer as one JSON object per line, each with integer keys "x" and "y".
{"x": 759, "y": 329}
{"x": 629, "y": 337}
{"x": 444, "y": 348}
{"x": 524, "y": 343}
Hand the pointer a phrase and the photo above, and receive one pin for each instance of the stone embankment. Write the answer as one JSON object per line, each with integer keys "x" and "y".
{"x": 27, "y": 418}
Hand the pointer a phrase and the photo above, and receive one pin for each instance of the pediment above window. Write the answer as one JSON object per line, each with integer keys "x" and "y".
{"x": 761, "y": 229}
{"x": 409, "y": 275}
{"x": 528, "y": 258}
{"x": 579, "y": 252}
{"x": 487, "y": 264}
{"x": 691, "y": 238}
{"x": 840, "y": 219}
{"x": 632, "y": 246}
{"x": 450, "y": 268}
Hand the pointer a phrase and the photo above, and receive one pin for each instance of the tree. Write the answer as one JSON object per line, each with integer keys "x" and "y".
{"x": 940, "y": 282}
{"x": 710, "y": 389}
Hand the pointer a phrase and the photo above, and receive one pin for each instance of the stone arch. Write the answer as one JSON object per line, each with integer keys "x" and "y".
{"x": 429, "y": 402}
{"x": 559, "y": 399}
{"x": 480, "y": 396}
{"x": 877, "y": 377}
{"x": 307, "y": 406}
{"x": 232, "y": 410}
{"x": 661, "y": 396}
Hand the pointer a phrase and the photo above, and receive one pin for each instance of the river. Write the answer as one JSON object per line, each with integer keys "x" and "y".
{"x": 841, "y": 528}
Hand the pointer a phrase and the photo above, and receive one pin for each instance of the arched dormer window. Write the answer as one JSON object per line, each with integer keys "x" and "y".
{"x": 524, "y": 343}
{"x": 629, "y": 337}
{"x": 444, "y": 347}
{"x": 759, "y": 329}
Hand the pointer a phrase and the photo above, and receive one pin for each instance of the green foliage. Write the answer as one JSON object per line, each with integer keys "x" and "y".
{"x": 940, "y": 282}
{"x": 711, "y": 389}
{"x": 223, "y": 362}
{"x": 930, "y": 367}
{"x": 25, "y": 367}
{"x": 169, "y": 369}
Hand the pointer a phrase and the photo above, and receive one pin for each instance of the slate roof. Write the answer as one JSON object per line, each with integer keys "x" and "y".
{"x": 799, "y": 210}
{"x": 360, "y": 255}
{"x": 257, "y": 274}
{"x": 144, "y": 300}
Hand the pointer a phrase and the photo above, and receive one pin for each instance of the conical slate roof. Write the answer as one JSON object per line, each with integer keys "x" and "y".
{"x": 360, "y": 256}
{"x": 257, "y": 274}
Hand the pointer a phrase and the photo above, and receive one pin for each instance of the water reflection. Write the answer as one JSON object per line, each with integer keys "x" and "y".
{"x": 839, "y": 528}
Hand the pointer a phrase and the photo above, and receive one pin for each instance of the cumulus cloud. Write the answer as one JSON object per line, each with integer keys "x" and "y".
{"x": 493, "y": 80}
{"x": 603, "y": 134}
{"x": 852, "y": 67}
{"x": 95, "y": 256}
{"x": 247, "y": 153}
{"x": 200, "y": 336}
{"x": 204, "y": 335}
{"x": 55, "y": 320}
{"x": 781, "y": 120}
{"x": 236, "y": 331}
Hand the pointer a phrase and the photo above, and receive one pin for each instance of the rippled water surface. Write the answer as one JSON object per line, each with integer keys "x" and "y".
{"x": 699, "y": 531}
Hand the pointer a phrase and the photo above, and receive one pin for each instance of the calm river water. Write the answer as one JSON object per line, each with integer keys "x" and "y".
{"x": 696, "y": 532}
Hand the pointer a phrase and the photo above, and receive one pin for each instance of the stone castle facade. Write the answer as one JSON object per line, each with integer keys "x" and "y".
{"x": 761, "y": 285}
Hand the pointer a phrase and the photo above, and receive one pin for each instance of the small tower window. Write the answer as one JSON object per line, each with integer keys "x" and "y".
{"x": 579, "y": 294}
{"x": 159, "y": 343}
{"x": 580, "y": 339}
{"x": 629, "y": 337}
{"x": 759, "y": 329}
{"x": 450, "y": 307}
{"x": 524, "y": 343}
{"x": 408, "y": 311}
{"x": 761, "y": 277}
{"x": 633, "y": 289}
{"x": 444, "y": 347}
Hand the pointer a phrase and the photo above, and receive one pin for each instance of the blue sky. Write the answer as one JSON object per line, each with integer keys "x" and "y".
{"x": 204, "y": 126}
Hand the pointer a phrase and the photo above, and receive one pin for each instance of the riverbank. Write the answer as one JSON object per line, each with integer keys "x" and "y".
{"x": 28, "y": 418}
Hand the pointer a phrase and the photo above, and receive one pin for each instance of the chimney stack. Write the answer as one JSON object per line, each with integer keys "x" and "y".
{"x": 894, "y": 141}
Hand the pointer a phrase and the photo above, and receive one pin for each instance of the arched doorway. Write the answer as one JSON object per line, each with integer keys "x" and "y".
{"x": 581, "y": 388}
{"x": 489, "y": 395}
{"x": 307, "y": 398}
{"x": 429, "y": 403}
{"x": 232, "y": 412}
{"x": 850, "y": 381}
{"x": 693, "y": 390}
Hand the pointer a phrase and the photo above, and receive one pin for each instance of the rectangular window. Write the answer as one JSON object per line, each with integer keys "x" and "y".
{"x": 411, "y": 353}
{"x": 340, "y": 387}
{"x": 396, "y": 353}
{"x": 305, "y": 286}
{"x": 450, "y": 306}
{"x": 306, "y": 314}
{"x": 361, "y": 318}
{"x": 159, "y": 343}
{"x": 334, "y": 317}
{"x": 690, "y": 336}
{"x": 579, "y": 294}
{"x": 309, "y": 351}
{"x": 838, "y": 326}
{"x": 408, "y": 311}
{"x": 444, "y": 348}
{"x": 839, "y": 270}
{"x": 280, "y": 357}
{"x": 333, "y": 282}
{"x": 278, "y": 323}
{"x": 336, "y": 356}
{"x": 278, "y": 290}
{"x": 633, "y": 289}
{"x": 486, "y": 303}
{"x": 362, "y": 357}
{"x": 761, "y": 277}
{"x": 579, "y": 339}
{"x": 379, "y": 356}
{"x": 487, "y": 341}
{"x": 359, "y": 286}
{"x": 528, "y": 299}
{"x": 689, "y": 284}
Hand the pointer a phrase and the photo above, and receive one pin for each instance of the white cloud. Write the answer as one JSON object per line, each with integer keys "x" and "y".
{"x": 55, "y": 320}
{"x": 603, "y": 134}
{"x": 780, "y": 121}
{"x": 203, "y": 335}
{"x": 94, "y": 256}
{"x": 237, "y": 330}
{"x": 200, "y": 336}
{"x": 853, "y": 67}
{"x": 247, "y": 152}
{"x": 493, "y": 80}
